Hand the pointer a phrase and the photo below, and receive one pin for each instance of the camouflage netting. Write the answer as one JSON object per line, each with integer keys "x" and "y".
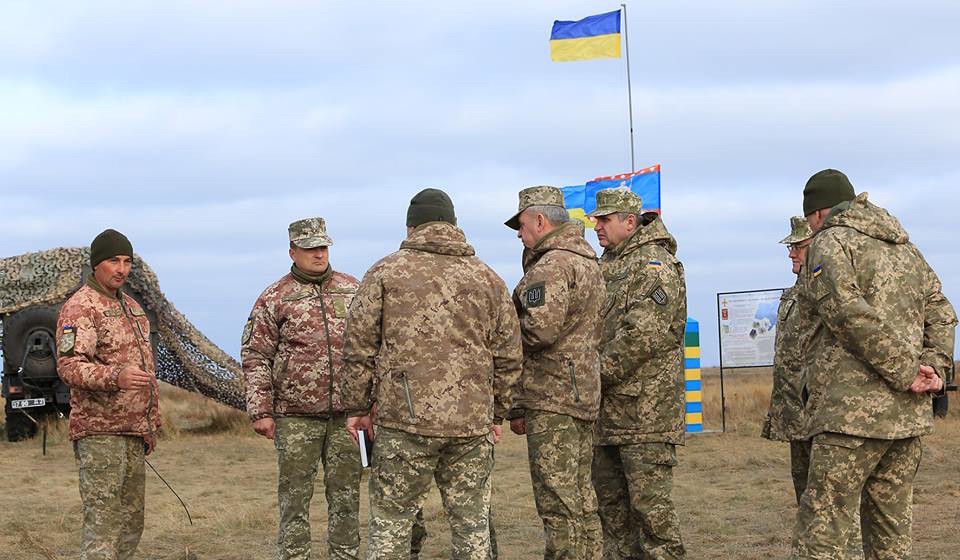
{"x": 185, "y": 357}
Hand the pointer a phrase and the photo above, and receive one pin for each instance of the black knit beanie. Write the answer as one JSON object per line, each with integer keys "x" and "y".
{"x": 430, "y": 205}
{"x": 826, "y": 189}
{"x": 109, "y": 243}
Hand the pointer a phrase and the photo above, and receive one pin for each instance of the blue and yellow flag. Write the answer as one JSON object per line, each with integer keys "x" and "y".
{"x": 582, "y": 199}
{"x": 592, "y": 37}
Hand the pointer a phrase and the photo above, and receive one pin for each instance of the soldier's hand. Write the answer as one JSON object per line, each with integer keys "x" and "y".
{"x": 926, "y": 380}
{"x": 133, "y": 379}
{"x": 518, "y": 426}
{"x": 497, "y": 432}
{"x": 357, "y": 423}
{"x": 266, "y": 427}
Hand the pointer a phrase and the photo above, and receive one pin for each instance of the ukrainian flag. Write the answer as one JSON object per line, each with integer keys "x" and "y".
{"x": 582, "y": 199}
{"x": 592, "y": 37}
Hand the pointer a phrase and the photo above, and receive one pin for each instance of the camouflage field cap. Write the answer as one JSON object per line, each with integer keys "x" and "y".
{"x": 309, "y": 233}
{"x": 620, "y": 199}
{"x": 799, "y": 231}
{"x": 535, "y": 196}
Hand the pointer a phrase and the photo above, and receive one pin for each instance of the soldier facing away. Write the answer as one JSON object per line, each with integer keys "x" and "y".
{"x": 883, "y": 343}
{"x": 104, "y": 355}
{"x": 641, "y": 373}
{"x": 785, "y": 420}
{"x": 292, "y": 354}
{"x": 559, "y": 300}
{"x": 434, "y": 340}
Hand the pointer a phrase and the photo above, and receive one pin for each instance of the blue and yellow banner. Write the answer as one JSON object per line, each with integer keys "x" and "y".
{"x": 592, "y": 37}
{"x": 582, "y": 199}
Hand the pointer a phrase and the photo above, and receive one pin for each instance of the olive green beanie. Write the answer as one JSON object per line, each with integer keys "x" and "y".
{"x": 109, "y": 243}
{"x": 430, "y": 205}
{"x": 826, "y": 189}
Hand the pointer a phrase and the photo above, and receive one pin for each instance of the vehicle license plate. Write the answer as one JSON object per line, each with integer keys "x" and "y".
{"x": 27, "y": 403}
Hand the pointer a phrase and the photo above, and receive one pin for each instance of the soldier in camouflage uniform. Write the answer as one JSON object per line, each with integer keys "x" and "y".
{"x": 559, "y": 300}
{"x": 104, "y": 355}
{"x": 434, "y": 340}
{"x": 883, "y": 342}
{"x": 785, "y": 420}
{"x": 641, "y": 359}
{"x": 292, "y": 354}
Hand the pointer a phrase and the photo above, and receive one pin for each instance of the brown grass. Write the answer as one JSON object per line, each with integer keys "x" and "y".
{"x": 733, "y": 490}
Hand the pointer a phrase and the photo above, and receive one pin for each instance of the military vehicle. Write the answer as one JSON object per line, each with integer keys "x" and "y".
{"x": 33, "y": 286}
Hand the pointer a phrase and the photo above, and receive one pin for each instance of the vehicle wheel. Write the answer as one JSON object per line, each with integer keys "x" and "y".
{"x": 18, "y": 426}
{"x": 33, "y": 326}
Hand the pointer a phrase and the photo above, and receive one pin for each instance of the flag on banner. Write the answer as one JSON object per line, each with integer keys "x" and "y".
{"x": 592, "y": 37}
{"x": 582, "y": 199}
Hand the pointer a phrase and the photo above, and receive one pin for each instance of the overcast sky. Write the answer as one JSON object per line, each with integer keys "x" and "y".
{"x": 201, "y": 129}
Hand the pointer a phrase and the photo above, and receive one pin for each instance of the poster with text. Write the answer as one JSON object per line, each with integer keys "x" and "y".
{"x": 748, "y": 327}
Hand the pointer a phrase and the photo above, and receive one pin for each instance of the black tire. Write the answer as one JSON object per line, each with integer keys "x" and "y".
{"x": 18, "y": 427}
{"x": 18, "y": 328}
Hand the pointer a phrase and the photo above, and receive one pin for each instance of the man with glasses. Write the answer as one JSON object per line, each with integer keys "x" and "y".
{"x": 785, "y": 420}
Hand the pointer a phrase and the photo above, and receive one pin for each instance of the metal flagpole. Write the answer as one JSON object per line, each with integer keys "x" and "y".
{"x": 626, "y": 40}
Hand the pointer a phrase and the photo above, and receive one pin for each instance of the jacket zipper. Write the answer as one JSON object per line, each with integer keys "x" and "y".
{"x": 573, "y": 381}
{"x": 406, "y": 391}
{"x": 326, "y": 330}
{"x": 135, "y": 329}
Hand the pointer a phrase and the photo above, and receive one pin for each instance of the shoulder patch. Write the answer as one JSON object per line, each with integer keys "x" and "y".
{"x": 247, "y": 330}
{"x": 654, "y": 264}
{"x": 817, "y": 271}
{"x": 659, "y": 296}
{"x": 68, "y": 339}
{"x": 535, "y": 295}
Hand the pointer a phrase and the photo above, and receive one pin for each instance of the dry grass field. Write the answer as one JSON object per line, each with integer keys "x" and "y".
{"x": 732, "y": 489}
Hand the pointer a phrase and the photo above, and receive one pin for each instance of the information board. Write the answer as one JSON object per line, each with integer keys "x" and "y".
{"x": 748, "y": 327}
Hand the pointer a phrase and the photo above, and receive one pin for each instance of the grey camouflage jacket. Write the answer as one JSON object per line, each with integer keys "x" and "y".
{"x": 881, "y": 315}
{"x": 641, "y": 353}
{"x": 433, "y": 339}
{"x": 786, "y": 420}
{"x": 559, "y": 300}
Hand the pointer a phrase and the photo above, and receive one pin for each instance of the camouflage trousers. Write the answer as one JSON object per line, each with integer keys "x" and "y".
{"x": 799, "y": 465}
{"x": 634, "y": 484}
{"x": 560, "y": 450}
{"x": 403, "y": 466}
{"x": 111, "y": 489}
{"x": 303, "y": 443}
{"x": 799, "y": 469}
{"x": 848, "y": 473}
{"x": 419, "y": 536}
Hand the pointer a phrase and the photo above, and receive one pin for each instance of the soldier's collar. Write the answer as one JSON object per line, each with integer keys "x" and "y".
{"x": 92, "y": 282}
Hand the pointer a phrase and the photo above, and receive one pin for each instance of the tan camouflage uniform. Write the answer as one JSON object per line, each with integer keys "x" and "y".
{"x": 434, "y": 340}
{"x": 785, "y": 419}
{"x": 98, "y": 335}
{"x": 881, "y": 315}
{"x": 641, "y": 411}
{"x": 559, "y": 300}
{"x": 291, "y": 354}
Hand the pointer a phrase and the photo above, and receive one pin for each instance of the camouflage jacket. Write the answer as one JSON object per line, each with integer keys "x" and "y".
{"x": 432, "y": 338}
{"x": 881, "y": 315}
{"x": 641, "y": 353}
{"x": 98, "y": 335}
{"x": 786, "y": 420}
{"x": 292, "y": 347}
{"x": 559, "y": 300}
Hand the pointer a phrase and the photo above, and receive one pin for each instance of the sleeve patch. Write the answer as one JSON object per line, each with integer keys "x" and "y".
{"x": 817, "y": 271}
{"x": 535, "y": 295}
{"x": 247, "y": 331}
{"x": 68, "y": 339}
{"x": 659, "y": 296}
{"x": 654, "y": 264}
